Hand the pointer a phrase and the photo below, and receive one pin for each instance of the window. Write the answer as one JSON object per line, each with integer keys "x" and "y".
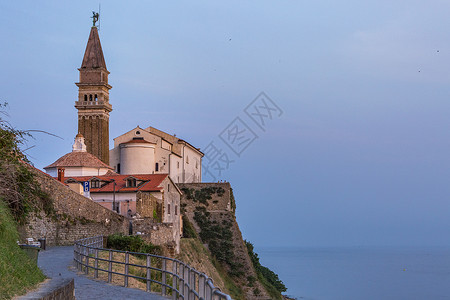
{"x": 131, "y": 182}
{"x": 196, "y": 164}
{"x": 187, "y": 159}
{"x": 95, "y": 97}
{"x": 118, "y": 168}
{"x": 156, "y": 167}
{"x": 176, "y": 210}
{"x": 90, "y": 97}
{"x": 168, "y": 209}
{"x": 138, "y": 132}
{"x": 95, "y": 183}
{"x": 85, "y": 97}
{"x": 178, "y": 164}
{"x": 168, "y": 187}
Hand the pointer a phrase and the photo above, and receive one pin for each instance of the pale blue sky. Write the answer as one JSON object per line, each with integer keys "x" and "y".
{"x": 360, "y": 155}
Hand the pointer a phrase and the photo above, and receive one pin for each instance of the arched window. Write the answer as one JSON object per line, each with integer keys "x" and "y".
{"x": 95, "y": 97}
{"x": 85, "y": 97}
{"x": 90, "y": 97}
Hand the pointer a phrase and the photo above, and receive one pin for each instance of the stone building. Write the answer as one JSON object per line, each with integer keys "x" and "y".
{"x": 152, "y": 151}
{"x": 151, "y": 201}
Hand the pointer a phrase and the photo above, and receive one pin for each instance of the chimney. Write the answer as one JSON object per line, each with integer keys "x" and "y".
{"x": 61, "y": 175}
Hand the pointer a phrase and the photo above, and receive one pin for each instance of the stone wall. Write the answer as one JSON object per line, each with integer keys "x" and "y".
{"x": 162, "y": 234}
{"x": 221, "y": 209}
{"x": 54, "y": 289}
{"x": 74, "y": 216}
{"x": 146, "y": 203}
{"x": 217, "y": 202}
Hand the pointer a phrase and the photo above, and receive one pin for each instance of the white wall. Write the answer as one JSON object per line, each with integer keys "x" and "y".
{"x": 137, "y": 158}
{"x": 78, "y": 171}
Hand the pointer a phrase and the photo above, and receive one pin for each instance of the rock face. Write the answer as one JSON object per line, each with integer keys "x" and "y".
{"x": 73, "y": 217}
{"x": 210, "y": 207}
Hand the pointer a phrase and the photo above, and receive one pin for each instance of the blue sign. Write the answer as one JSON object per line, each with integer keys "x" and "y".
{"x": 86, "y": 186}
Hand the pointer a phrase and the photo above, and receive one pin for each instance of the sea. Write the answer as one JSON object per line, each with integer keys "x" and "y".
{"x": 361, "y": 272}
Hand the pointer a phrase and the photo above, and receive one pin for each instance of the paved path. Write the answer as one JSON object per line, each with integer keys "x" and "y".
{"x": 58, "y": 262}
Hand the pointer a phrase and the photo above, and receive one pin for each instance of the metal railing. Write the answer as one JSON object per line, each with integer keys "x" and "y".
{"x": 169, "y": 276}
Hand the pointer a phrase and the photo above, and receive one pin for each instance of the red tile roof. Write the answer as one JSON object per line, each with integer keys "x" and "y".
{"x": 145, "y": 183}
{"x": 79, "y": 159}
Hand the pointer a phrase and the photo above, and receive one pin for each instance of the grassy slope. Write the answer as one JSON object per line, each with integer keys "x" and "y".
{"x": 17, "y": 272}
{"x": 196, "y": 255}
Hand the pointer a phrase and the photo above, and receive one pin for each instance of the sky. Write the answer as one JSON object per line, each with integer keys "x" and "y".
{"x": 356, "y": 150}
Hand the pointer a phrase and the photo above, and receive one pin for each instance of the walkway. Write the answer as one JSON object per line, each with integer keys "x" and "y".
{"x": 58, "y": 262}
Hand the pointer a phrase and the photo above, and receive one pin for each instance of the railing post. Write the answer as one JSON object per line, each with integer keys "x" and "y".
{"x": 126, "y": 269}
{"x": 186, "y": 283}
{"x": 208, "y": 290}
{"x": 149, "y": 273}
{"x": 192, "y": 285}
{"x": 110, "y": 266}
{"x": 163, "y": 276}
{"x": 181, "y": 281}
{"x": 86, "y": 271}
{"x": 201, "y": 286}
{"x": 174, "y": 280}
{"x": 96, "y": 264}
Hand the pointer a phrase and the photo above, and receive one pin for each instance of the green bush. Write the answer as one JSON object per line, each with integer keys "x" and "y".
{"x": 18, "y": 272}
{"x": 202, "y": 195}
{"x": 132, "y": 243}
{"x": 219, "y": 239}
{"x": 188, "y": 229}
{"x": 268, "y": 278}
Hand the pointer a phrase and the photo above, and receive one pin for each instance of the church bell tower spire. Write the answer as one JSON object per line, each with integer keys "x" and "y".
{"x": 93, "y": 98}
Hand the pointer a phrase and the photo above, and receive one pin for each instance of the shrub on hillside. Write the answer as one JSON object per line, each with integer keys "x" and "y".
{"x": 18, "y": 272}
{"x": 268, "y": 278}
{"x": 132, "y": 243}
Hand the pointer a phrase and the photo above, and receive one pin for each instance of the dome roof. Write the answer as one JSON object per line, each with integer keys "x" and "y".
{"x": 79, "y": 159}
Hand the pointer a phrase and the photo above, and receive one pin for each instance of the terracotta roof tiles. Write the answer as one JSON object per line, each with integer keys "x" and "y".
{"x": 78, "y": 159}
{"x": 144, "y": 183}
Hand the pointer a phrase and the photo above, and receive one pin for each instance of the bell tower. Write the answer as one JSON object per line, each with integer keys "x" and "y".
{"x": 93, "y": 99}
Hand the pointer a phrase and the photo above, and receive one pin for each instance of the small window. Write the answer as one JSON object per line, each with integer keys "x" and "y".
{"x": 138, "y": 132}
{"x": 168, "y": 187}
{"x": 168, "y": 209}
{"x": 156, "y": 167}
{"x": 118, "y": 168}
{"x": 176, "y": 210}
{"x": 131, "y": 182}
{"x": 85, "y": 97}
{"x": 95, "y": 97}
{"x": 187, "y": 159}
{"x": 95, "y": 183}
{"x": 178, "y": 164}
{"x": 90, "y": 97}
{"x": 196, "y": 164}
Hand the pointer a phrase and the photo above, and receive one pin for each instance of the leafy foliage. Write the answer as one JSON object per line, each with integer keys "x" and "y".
{"x": 219, "y": 239}
{"x": 188, "y": 229}
{"x": 202, "y": 195}
{"x": 268, "y": 278}
{"x": 18, "y": 272}
{"x": 131, "y": 243}
{"x": 18, "y": 186}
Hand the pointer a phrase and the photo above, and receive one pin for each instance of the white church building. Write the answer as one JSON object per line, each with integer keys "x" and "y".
{"x": 152, "y": 151}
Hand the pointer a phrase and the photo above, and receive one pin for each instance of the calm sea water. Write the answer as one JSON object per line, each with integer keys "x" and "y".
{"x": 361, "y": 273}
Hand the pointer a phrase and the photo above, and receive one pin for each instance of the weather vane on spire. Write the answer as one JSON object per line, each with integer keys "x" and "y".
{"x": 94, "y": 17}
